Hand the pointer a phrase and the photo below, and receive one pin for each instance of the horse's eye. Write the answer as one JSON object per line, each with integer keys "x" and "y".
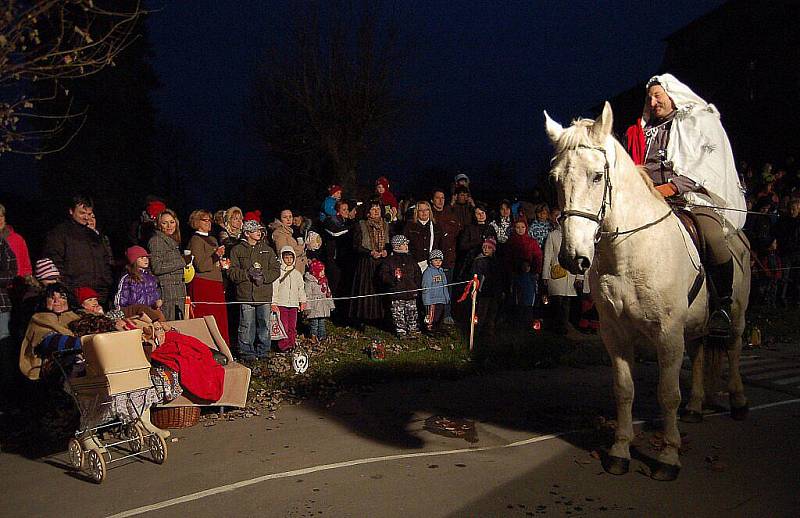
{"x": 598, "y": 177}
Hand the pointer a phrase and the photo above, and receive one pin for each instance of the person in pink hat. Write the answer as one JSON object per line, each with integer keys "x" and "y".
{"x": 138, "y": 286}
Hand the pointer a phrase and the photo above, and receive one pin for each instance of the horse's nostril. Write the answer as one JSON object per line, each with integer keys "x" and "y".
{"x": 583, "y": 263}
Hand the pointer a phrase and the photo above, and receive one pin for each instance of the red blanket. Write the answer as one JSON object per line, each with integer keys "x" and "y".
{"x": 199, "y": 373}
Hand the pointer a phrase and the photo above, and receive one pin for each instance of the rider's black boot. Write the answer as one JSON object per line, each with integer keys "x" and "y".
{"x": 719, "y": 322}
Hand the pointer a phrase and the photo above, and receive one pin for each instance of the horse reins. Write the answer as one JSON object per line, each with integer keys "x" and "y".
{"x": 601, "y": 213}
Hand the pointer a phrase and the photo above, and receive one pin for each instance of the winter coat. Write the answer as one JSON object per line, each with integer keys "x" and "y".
{"x": 470, "y": 242}
{"x": 492, "y": 278}
{"x": 166, "y": 263}
{"x": 81, "y": 257}
{"x": 41, "y": 325}
{"x": 144, "y": 292}
{"x": 525, "y": 250}
{"x": 289, "y": 289}
{"x": 281, "y": 238}
{"x": 420, "y": 238}
{"x": 434, "y": 280}
{"x": 243, "y": 257}
{"x": 539, "y": 230}
{"x": 410, "y": 276}
{"x": 20, "y": 249}
{"x": 206, "y": 261}
{"x": 328, "y": 208}
{"x": 449, "y": 228}
{"x": 320, "y": 305}
{"x": 565, "y": 286}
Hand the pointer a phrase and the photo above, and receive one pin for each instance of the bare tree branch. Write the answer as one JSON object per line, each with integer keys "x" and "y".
{"x": 43, "y": 42}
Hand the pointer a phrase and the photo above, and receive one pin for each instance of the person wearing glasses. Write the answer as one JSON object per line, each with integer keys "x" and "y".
{"x": 206, "y": 289}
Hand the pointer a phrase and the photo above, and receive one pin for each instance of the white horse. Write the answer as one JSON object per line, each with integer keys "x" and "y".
{"x": 642, "y": 269}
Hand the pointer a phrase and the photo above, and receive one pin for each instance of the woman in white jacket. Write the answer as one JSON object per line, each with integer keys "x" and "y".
{"x": 288, "y": 296}
{"x": 560, "y": 283}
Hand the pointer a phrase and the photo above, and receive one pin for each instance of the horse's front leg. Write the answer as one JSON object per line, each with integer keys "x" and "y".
{"x": 694, "y": 408}
{"x": 621, "y": 353}
{"x": 670, "y": 357}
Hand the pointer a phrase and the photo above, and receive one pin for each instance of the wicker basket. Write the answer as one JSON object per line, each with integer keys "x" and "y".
{"x": 175, "y": 417}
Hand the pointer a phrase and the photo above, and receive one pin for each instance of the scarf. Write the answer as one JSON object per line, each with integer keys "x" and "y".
{"x": 377, "y": 234}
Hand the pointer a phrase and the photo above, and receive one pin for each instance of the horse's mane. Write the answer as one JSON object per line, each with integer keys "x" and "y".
{"x": 578, "y": 134}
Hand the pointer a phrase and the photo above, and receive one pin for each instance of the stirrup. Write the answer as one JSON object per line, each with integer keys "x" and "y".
{"x": 719, "y": 323}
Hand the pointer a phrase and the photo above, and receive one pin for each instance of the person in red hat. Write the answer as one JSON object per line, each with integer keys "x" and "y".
{"x": 138, "y": 287}
{"x": 329, "y": 205}
{"x": 88, "y": 300}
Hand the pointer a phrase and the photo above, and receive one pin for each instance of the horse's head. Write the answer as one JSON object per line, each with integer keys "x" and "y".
{"x": 581, "y": 173}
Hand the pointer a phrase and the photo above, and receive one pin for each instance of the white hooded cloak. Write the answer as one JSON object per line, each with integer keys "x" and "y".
{"x": 699, "y": 149}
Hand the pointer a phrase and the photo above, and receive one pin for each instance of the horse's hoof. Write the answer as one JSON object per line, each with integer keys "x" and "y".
{"x": 739, "y": 413}
{"x": 617, "y": 465}
{"x": 692, "y": 416}
{"x": 665, "y": 472}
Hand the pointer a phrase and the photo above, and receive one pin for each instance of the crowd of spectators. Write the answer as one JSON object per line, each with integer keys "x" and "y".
{"x": 401, "y": 265}
{"x": 773, "y": 228}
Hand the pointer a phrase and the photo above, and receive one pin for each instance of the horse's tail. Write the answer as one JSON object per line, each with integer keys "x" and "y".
{"x": 713, "y": 357}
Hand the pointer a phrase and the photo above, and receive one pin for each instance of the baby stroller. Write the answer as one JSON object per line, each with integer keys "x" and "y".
{"x": 112, "y": 389}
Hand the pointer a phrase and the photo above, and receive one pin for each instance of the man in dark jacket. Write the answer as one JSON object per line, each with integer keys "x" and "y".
{"x": 449, "y": 228}
{"x": 79, "y": 252}
{"x": 254, "y": 267}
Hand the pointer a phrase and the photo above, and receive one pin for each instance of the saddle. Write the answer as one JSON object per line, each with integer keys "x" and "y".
{"x": 689, "y": 221}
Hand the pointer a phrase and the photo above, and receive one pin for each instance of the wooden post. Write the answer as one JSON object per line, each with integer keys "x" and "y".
{"x": 472, "y": 318}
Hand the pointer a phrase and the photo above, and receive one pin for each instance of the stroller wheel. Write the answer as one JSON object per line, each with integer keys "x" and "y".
{"x": 133, "y": 434}
{"x": 96, "y": 465}
{"x": 75, "y": 453}
{"x": 158, "y": 448}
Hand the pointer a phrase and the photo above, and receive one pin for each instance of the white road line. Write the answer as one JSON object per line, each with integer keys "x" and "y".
{"x": 787, "y": 381}
{"x": 358, "y": 462}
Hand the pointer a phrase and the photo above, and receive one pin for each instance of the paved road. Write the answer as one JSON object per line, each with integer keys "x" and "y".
{"x": 369, "y": 455}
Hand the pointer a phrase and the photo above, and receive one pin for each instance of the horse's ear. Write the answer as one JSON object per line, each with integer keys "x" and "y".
{"x": 553, "y": 129}
{"x": 603, "y": 125}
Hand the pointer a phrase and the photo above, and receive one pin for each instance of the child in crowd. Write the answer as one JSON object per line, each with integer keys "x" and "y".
{"x": 254, "y": 267}
{"x": 288, "y": 295}
{"x": 319, "y": 300}
{"x": 435, "y": 297}
{"x": 329, "y": 205}
{"x": 401, "y": 273}
{"x": 138, "y": 288}
{"x": 492, "y": 282}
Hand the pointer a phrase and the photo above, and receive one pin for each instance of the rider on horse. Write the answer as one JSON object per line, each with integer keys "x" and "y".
{"x": 681, "y": 143}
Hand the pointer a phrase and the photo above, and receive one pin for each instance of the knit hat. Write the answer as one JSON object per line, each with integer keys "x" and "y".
{"x": 492, "y": 242}
{"x": 383, "y": 181}
{"x": 333, "y": 189}
{"x": 461, "y": 176}
{"x": 154, "y": 208}
{"x": 398, "y": 241}
{"x": 85, "y": 293}
{"x": 315, "y": 267}
{"x": 251, "y": 225}
{"x": 436, "y": 254}
{"x": 45, "y": 270}
{"x": 135, "y": 252}
{"x": 254, "y": 215}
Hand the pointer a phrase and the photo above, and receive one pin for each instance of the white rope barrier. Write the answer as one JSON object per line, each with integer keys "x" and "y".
{"x": 337, "y": 298}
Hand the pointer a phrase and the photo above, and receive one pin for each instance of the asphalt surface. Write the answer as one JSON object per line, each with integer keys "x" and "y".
{"x": 371, "y": 455}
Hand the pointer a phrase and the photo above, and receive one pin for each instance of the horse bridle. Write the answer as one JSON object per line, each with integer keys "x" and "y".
{"x": 601, "y": 213}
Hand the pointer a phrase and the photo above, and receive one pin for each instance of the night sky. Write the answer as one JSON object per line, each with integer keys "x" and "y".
{"x": 481, "y": 71}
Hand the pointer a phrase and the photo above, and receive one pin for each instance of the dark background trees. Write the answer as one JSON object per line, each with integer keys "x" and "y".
{"x": 328, "y": 98}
